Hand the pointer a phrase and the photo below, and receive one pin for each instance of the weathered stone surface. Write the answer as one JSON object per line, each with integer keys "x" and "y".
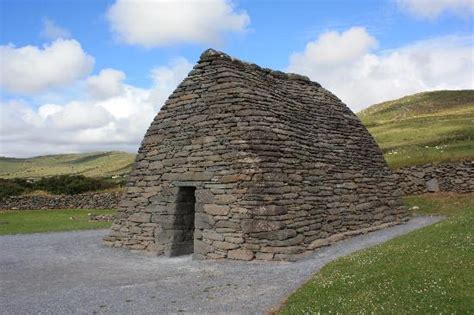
{"x": 275, "y": 235}
{"x": 288, "y": 250}
{"x": 432, "y": 185}
{"x": 224, "y": 245}
{"x": 204, "y": 196}
{"x": 202, "y": 248}
{"x": 140, "y": 217}
{"x": 212, "y": 235}
{"x": 298, "y": 239}
{"x": 269, "y": 210}
{"x": 236, "y": 240}
{"x": 225, "y": 199}
{"x": 319, "y": 243}
{"x": 216, "y": 209}
{"x": 234, "y": 178}
{"x": 251, "y": 225}
{"x": 227, "y": 224}
{"x": 203, "y": 221}
{"x": 240, "y": 254}
{"x": 264, "y": 256}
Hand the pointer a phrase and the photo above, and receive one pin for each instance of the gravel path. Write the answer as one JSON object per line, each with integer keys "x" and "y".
{"x": 71, "y": 273}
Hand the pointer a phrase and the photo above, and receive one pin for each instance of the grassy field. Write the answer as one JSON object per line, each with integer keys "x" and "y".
{"x": 429, "y": 271}
{"x": 97, "y": 164}
{"x": 35, "y": 221}
{"x": 425, "y": 127}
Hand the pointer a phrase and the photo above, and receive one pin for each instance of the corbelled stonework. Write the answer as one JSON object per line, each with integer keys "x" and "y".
{"x": 248, "y": 163}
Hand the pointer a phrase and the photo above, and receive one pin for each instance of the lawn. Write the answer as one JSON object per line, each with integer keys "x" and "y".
{"x": 422, "y": 128}
{"x": 35, "y": 221}
{"x": 428, "y": 271}
{"x": 94, "y": 164}
{"x": 420, "y": 141}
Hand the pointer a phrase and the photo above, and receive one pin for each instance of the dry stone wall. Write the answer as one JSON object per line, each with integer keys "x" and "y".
{"x": 80, "y": 201}
{"x": 446, "y": 177}
{"x": 278, "y": 167}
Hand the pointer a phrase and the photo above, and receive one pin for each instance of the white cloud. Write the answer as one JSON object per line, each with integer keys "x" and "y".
{"x": 31, "y": 69}
{"x": 15, "y": 119}
{"x": 350, "y": 44}
{"x": 48, "y": 109}
{"x": 431, "y": 9}
{"x": 53, "y": 31}
{"x": 107, "y": 83}
{"x": 361, "y": 77}
{"x": 115, "y": 122}
{"x": 78, "y": 116}
{"x": 167, "y": 78}
{"x": 164, "y": 22}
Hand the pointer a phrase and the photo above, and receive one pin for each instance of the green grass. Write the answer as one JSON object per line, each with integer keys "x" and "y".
{"x": 96, "y": 164}
{"x": 447, "y": 204}
{"x": 425, "y": 127}
{"x": 428, "y": 271}
{"x": 36, "y": 221}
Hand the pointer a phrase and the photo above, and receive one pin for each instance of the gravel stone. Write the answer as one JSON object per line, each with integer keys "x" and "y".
{"x": 72, "y": 273}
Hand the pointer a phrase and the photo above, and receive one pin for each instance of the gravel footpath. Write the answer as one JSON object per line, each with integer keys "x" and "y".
{"x": 71, "y": 273}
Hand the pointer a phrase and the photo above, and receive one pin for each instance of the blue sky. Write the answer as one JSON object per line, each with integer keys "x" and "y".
{"x": 363, "y": 51}
{"x": 277, "y": 29}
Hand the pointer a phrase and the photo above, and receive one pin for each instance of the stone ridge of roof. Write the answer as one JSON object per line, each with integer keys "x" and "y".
{"x": 210, "y": 54}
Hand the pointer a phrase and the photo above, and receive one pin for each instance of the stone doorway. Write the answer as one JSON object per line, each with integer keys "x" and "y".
{"x": 183, "y": 238}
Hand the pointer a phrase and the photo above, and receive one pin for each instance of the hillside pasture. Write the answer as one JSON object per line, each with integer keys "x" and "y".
{"x": 425, "y": 127}
{"x": 95, "y": 164}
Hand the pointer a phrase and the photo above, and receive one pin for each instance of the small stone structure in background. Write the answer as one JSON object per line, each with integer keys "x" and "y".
{"x": 91, "y": 200}
{"x": 455, "y": 177}
{"x": 93, "y": 217}
{"x": 243, "y": 162}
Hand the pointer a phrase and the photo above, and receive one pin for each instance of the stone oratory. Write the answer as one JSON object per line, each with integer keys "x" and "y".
{"x": 243, "y": 162}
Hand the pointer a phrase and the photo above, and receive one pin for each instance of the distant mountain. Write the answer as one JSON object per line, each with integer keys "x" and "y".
{"x": 424, "y": 127}
{"x": 96, "y": 164}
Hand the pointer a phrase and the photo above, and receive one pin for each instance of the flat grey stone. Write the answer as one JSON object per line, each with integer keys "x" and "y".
{"x": 432, "y": 185}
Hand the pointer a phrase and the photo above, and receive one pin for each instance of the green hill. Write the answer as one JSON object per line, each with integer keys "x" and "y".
{"x": 425, "y": 127}
{"x": 96, "y": 164}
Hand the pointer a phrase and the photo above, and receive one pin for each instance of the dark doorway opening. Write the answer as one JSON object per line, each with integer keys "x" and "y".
{"x": 183, "y": 240}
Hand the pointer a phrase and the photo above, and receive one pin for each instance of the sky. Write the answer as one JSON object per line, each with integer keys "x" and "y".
{"x": 81, "y": 76}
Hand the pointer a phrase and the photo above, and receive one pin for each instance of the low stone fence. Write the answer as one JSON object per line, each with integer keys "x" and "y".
{"x": 80, "y": 201}
{"x": 446, "y": 177}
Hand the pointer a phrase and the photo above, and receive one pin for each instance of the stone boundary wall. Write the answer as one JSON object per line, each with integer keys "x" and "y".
{"x": 445, "y": 177}
{"x": 80, "y": 201}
